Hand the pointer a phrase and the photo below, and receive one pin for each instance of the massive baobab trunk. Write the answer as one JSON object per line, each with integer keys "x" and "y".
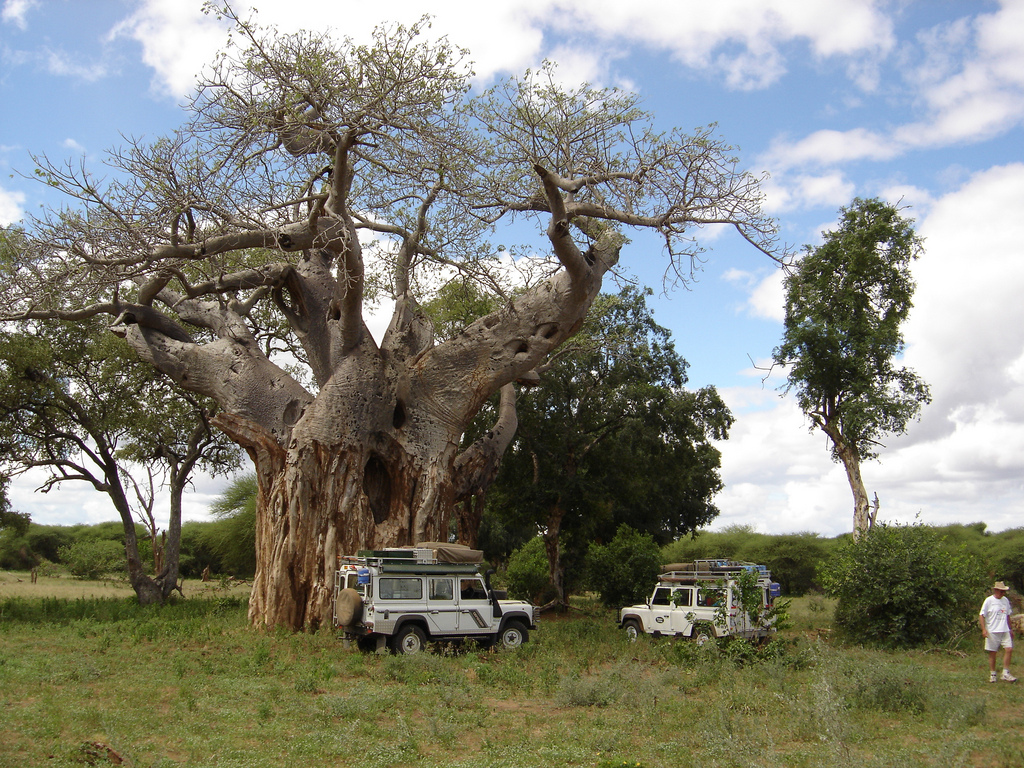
{"x": 373, "y": 459}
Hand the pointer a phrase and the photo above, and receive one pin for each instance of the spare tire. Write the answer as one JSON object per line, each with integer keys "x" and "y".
{"x": 349, "y": 607}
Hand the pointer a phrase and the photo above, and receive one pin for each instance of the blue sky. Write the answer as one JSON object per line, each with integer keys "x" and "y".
{"x": 915, "y": 101}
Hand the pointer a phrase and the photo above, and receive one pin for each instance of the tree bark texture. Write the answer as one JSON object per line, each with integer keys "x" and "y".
{"x": 862, "y": 518}
{"x": 373, "y": 460}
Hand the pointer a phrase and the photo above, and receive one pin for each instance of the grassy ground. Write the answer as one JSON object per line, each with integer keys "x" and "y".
{"x": 94, "y": 681}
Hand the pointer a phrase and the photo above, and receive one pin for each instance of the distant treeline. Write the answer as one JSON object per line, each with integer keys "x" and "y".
{"x": 227, "y": 548}
{"x": 793, "y": 558}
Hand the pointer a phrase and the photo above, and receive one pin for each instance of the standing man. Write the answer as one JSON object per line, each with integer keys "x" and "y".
{"x": 995, "y": 628}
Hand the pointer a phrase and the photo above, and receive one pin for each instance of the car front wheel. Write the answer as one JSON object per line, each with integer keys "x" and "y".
{"x": 633, "y": 630}
{"x": 512, "y": 635}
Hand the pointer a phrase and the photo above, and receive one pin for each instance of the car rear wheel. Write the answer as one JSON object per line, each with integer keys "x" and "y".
{"x": 703, "y": 633}
{"x": 409, "y": 640}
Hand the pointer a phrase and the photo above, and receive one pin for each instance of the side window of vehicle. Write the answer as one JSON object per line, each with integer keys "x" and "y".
{"x": 441, "y": 589}
{"x": 711, "y": 597}
{"x": 661, "y": 596}
{"x": 472, "y": 589}
{"x": 682, "y": 597}
{"x": 404, "y": 588}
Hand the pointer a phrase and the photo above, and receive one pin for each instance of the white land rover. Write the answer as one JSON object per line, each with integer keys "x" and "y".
{"x": 404, "y": 597}
{"x": 700, "y": 600}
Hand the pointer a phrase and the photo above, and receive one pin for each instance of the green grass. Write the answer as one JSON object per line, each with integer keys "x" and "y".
{"x": 191, "y": 684}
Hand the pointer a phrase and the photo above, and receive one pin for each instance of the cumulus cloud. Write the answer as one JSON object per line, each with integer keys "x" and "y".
{"x": 738, "y": 40}
{"x": 969, "y": 85}
{"x": 73, "y": 145}
{"x": 15, "y": 12}
{"x": 787, "y": 192}
{"x": 11, "y": 206}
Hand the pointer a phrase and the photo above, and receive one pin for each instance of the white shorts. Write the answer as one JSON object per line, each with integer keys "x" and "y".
{"x": 997, "y": 640}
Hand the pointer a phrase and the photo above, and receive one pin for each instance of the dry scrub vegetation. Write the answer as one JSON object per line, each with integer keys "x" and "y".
{"x": 94, "y": 681}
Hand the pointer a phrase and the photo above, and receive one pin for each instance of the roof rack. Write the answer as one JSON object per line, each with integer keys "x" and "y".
{"x": 710, "y": 569}
{"x": 425, "y": 553}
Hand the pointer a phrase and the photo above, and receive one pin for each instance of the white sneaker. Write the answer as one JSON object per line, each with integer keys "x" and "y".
{"x": 992, "y": 677}
{"x": 1007, "y": 677}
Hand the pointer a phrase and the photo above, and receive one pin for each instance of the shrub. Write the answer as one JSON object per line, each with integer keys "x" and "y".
{"x": 93, "y": 559}
{"x": 901, "y": 586}
{"x": 527, "y": 576}
{"x": 624, "y": 570}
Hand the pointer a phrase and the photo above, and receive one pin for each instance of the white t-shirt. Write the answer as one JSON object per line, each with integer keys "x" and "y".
{"x": 997, "y": 613}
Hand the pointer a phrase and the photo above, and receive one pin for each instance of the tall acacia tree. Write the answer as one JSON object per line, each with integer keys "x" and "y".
{"x": 313, "y": 172}
{"x": 845, "y": 303}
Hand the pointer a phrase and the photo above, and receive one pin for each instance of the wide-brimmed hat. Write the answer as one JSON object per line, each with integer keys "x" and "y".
{"x": 999, "y": 585}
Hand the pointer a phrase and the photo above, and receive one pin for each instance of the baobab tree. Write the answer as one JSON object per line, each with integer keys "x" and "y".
{"x": 313, "y": 175}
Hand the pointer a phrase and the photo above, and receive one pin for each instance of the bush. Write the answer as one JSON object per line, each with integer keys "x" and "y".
{"x": 624, "y": 570}
{"x": 794, "y": 560}
{"x": 527, "y": 576}
{"x": 93, "y": 559}
{"x": 901, "y": 586}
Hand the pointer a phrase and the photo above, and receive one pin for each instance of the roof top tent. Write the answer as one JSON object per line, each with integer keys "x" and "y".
{"x": 424, "y": 553}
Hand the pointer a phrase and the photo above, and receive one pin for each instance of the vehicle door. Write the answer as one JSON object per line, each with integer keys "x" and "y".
{"x": 398, "y": 596}
{"x": 442, "y": 609}
{"x": 710, "y": 603}
{"x": 680, "y": 617}
{"x": 476, "y": 614}
{"x": 661, "y": 611}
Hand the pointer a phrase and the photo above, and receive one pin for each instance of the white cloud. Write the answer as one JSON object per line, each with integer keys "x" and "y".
{"x": 73, "y": 145}
{"x": 65, "y": 65}
{"x": 768, "y": 299}
{"x": 15, "y": 11}
{"x": 970, "y": 86}
{"x": 829, "y": 147}
{"x": 965, "y": 459}
{"x": 739, "y": 40}
{"x": 11, "y": 206}
{"x": 787, "y": 192}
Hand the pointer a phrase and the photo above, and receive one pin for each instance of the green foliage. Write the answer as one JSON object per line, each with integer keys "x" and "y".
{"x": 624, "y": 570}
{"x": 613, "y": 437}
{"x": 93, "y": 559}
{"x": 232, "y": 538}
{"x": 901, "y": 586}
{"x": 9, "y": 518}
{"x": 845, "y": 303}
{"x": 527, "y": 573}
{"x": 1006, "y": 558}
{"x": 792, "y": 558}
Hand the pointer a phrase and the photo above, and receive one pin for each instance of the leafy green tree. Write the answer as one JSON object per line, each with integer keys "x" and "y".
{"x": 1005, "y": 555}
{"x": 527, "y": 573}
{"x": 76, "y": 401}
{"x": 845, "y": 303}
{"x": 233, "y": 536}
{"x": 794, "y": 560}
{"x": 611, "y": 436}
{"x": 312, "y": 171}
{"x": 902, "y": 586}
{"x": 93, "y": 559}
{"x": 624, "y": 570}
{"x": 18, "y": 522}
